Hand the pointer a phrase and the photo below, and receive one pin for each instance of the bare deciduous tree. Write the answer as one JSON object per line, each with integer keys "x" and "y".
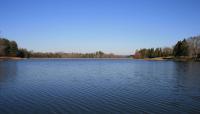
{"x": 194, "y": 46}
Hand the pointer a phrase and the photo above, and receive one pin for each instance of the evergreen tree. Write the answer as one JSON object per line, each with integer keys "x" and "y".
{"x": 13, "y": 49}
{"x": 181, "y": 49}
{"x": 23, "y": 53}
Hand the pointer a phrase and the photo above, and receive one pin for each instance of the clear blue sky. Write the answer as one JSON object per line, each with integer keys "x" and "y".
{"x": 118, "y": 26}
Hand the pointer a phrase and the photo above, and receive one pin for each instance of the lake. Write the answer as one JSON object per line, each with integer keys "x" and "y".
{"x": 99, "y": 86}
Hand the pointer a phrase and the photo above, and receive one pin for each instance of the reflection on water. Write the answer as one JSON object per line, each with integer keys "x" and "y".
{"x": 99, "y": 86}
{"x": 8, "y": 70}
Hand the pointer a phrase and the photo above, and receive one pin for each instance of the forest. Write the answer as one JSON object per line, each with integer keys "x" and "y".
{"x": 188, "y": 48}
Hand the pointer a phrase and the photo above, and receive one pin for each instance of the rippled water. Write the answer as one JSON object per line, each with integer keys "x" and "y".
{"x": 77, "y": 86}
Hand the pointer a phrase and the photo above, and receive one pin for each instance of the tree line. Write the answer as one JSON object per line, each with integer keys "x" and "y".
{"x": 10, "y": 49}
{"x": 189, "y": 48}
{"x": 153, "y": 52}
{"x": 98, "y": 54}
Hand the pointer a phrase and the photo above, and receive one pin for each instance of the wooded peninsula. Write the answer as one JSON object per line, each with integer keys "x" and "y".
{"x": 187, "y": 49}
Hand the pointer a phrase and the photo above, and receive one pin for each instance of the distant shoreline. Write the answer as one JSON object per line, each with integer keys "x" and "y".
{"x": 19, "y": 58}
{"x": 80, "y": 58}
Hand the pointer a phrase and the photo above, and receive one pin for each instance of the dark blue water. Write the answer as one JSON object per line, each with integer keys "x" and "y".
{"x": 79, "y": 86}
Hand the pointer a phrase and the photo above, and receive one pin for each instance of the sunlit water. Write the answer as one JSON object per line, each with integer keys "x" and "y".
{"x": 78, "y": 86}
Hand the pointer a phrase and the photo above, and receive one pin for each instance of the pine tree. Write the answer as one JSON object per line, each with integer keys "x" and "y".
{"x": 181, "y": 49}
{"x": 13, "y": 49}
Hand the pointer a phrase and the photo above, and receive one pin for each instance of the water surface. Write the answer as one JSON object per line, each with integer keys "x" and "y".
{"x": 77, "y": 86}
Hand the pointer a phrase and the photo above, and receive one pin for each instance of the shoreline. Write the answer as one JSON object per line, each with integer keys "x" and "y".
{"x": 19, "y": 58}
{"x": 11, "y": 58}
{"x": 157, "y": 59}
{"x": 80, "y": 58}
{"x": 181, "y": 59}
{"x": 146, "y": 59}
